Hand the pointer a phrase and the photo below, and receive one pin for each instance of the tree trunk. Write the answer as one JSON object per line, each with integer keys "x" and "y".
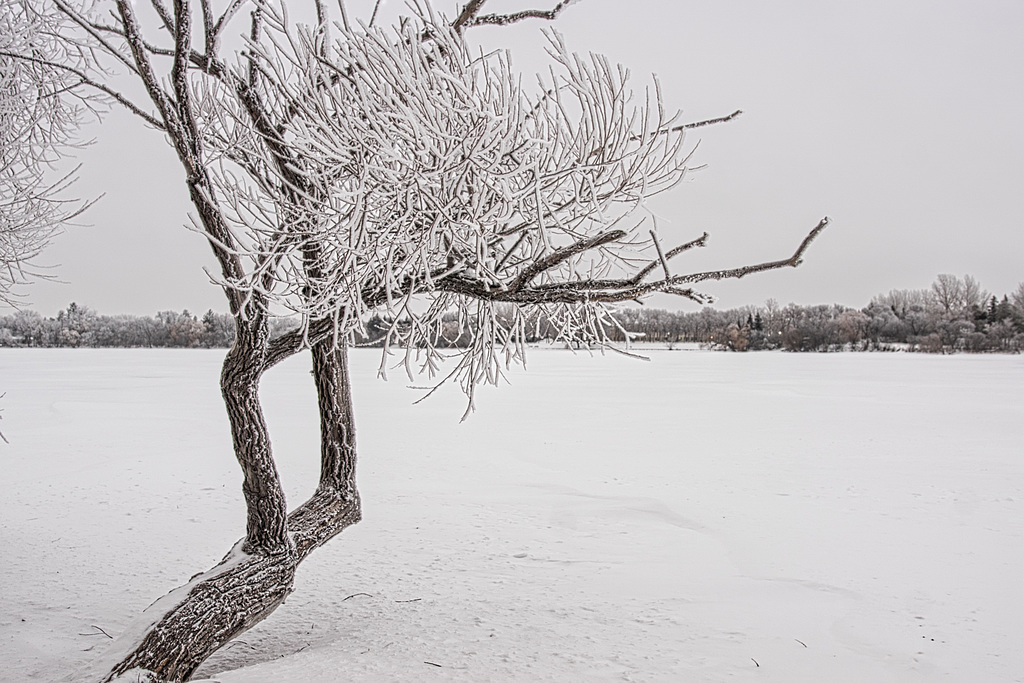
{"x": 189, "y": 624}
{"x": 337, "y": 422}
{"x": 264, "y": 498}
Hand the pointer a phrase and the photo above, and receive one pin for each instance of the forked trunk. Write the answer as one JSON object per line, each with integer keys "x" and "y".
{"x": 189, "y": 624}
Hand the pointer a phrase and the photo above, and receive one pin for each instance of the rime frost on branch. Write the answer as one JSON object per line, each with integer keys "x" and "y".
{"x": 39, "y": 114}
{"x": 344, "y": 171}
{"x": 412, "y": 176}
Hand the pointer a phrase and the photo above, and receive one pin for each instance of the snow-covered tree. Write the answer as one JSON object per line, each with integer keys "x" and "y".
{"x": 40, "y": 112}
{"x": 1017, "y": 298}
{"x": 953, "y": 295}
{"x": 341, "y": 169}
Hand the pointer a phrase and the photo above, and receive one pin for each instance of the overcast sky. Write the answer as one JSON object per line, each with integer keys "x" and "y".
{"x": 902, "y": 121}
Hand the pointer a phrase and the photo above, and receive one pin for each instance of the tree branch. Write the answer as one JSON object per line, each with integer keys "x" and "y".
{"x": 179, "y": 70}
{"x": 661, "y": 256}
{"x": 376, "y": 8}
{"x": 226, "y": 17}
{"x": 674, "y": 251}
{"x": 613, "y": 291}
{"x": 107, "y": 90}
{"x": 88, "y": 28}
{"x": 689, "y": 126}
{"x": 514, "y": 17}
{"x": 708, "y": 122}
{"x": 164, "y": 14}
{"x": 290, "y": 343}
{"x": 560, "y": 255}
{"x": 468, "y": 13}
{"x": 793, "y": 261}
{"x": 209, "y": 34}
{"x": 133, "y": 35}
{"x": 198, "y": 59}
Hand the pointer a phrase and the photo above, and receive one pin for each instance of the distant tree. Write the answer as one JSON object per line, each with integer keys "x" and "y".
{"x": 883, "y": 326}
{"x": 974, "y": 293}
{"x": 851, "y": 327}
{"x": 27, "y": 328}
{"x": 1001, "y": 336}
{"x": 1017, "y": 298}
{"x": 181, "y": 330}
{"x": 947, "y": 292}
{"x": 736, "y": 338}
{"x": 74, "y": 324}
{"x": 903, "y": 301}
{"x": 218, "y": 329}
{"x": 954, "y": 295}
{"x": 1004, "y": 311}
{"x": 341, "y": 170}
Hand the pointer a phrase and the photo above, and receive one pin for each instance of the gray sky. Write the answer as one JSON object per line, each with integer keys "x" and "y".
{"x": 899, "y": 120}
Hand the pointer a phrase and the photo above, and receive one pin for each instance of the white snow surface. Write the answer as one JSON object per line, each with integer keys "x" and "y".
{"x": 704, "y": 516}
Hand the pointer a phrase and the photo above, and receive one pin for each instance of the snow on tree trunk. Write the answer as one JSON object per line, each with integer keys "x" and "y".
{"x": 182, "y": 629}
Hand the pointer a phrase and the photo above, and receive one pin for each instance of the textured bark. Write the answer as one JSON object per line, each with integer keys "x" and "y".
{"x": 194, "y": 621}
{"x": 212, "y": 612}
{"x": 264, "y": 498}
{"x": 235, "y": 596}
{"x": 320, "y": 519}
{"x": 337, "y": 422}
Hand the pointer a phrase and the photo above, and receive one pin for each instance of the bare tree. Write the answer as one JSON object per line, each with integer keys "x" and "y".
{"x": 343, "y": 169}
{"x": 974, "y": 294}
{"x": 1017, "y": 297}
{"x": 947, "y": 292}
{"x": 902, "y": 301}
{"x": 954, "y": 295}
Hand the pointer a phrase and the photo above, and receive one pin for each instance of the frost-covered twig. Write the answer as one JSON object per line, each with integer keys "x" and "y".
{"x": 41, "y": 109}
{"x": 402, "y": 166}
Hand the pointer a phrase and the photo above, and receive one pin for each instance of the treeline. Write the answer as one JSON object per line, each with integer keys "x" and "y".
{"x": 954, "y": 314}
{"x": 79, "y": 326}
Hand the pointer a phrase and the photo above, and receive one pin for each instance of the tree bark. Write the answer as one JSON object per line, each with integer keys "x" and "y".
{"x": 192, "y": 622}
{"x": 266, "y": 508}
{"x": 337, "y": 422}
{"x": 208, "y": 612}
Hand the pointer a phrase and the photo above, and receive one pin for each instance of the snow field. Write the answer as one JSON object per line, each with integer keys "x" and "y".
{"x": 703, "y": 516}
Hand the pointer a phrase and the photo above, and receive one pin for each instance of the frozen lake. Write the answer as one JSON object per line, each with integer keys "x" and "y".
{"x": 700, "y": 517}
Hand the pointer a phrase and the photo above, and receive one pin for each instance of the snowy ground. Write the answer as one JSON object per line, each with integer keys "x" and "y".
{"x": 701, "y": 517}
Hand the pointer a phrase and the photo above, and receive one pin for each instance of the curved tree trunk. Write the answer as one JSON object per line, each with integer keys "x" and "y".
{"x": 266, "y": 509}
{"x": 197, "y": 619}
{"x": 189, "y": 624}
{"x": 193, "y": 621}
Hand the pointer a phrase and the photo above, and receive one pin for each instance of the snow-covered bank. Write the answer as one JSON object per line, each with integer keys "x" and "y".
{"x": 704, "y": 516}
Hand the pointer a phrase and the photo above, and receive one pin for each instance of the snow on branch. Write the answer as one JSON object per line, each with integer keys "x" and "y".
{"x": 40, "y": 113}
{"x": 344, "y": 171}
{"x": 403, "y": 156}
{"x": 474, "y": 19}
{"x": 395, "y": 172}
